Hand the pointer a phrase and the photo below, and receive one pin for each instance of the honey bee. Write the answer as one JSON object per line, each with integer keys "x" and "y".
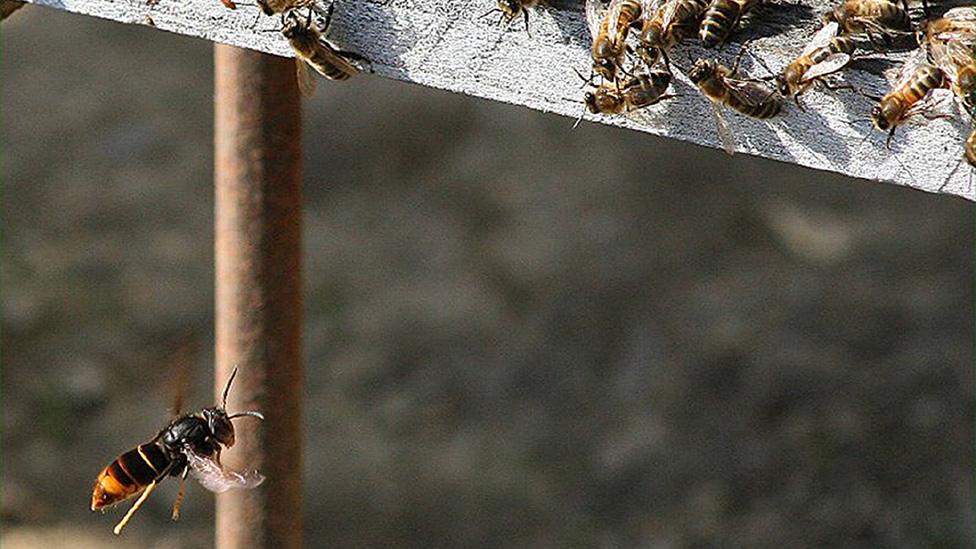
{"x": 825, "y": 54}
{"x": 190, "y": 444}
{"x": 667, "y": 25}
{"x": 748, "y": 97}
{"x": 510, "y": 9}
{"x": 920, "y": 89}
{"x": 958, "y": 62}
{"x": 721, "y": 18}
{"x": 609, "y": 29}
{"x": 312, "y": 49}
{"x": 955, "y": 25}
{"x": 640, "y": 91}
{"x": 951, "y": 40}
{"x": 871, "y": 17}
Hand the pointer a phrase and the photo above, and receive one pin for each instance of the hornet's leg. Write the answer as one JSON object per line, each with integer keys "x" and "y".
{"x": 135, "y": 507}
{"x": 179, "y": 495}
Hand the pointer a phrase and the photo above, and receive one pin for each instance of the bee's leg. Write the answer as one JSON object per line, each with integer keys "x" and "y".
{"x": 953, "y": 172}
{"x": 663, "y": 53}
{"x": 525, "y": 16}
{"x": 834, "y": 86}
{"x": 796, "y": 99}
{"x": 328, "y": 19}
{"x": 179, "y": 495}
{"x": 135, "y": 507}
{"x": 489, "y": 12}
{"x": 258, "y": 18}
{"x": 585, "y": 79}
{"x": 738, "y": 58}
{"x": 353, "y": 56}
{"x": 580, "y": 118}
{"x": 891, "y": 134}
{"x": 769, "y": 73}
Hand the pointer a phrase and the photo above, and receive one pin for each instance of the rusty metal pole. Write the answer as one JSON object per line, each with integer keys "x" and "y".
{"x": 257, "y": 172}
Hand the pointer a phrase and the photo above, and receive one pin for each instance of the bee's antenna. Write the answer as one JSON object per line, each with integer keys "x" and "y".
{"x": 765, "y": 67}
{"x": 952, "y": 173}
{"x": 909, "y": 172}
{"x": 258, "y": 415}
{"x": 580, "y": 118}
{"x": 227, "y": 388}
{"x": 583, "y": 78}
{"x": 489, "y": 12}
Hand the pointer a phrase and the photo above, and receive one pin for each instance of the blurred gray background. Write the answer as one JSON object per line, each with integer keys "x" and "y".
{"x": 518, "y": 334}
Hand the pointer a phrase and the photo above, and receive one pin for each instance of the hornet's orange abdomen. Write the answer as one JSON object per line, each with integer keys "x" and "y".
{"x": 129, "y": 474}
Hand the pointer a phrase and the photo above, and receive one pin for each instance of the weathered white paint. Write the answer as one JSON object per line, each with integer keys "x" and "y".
{"x": 446, "y": 44}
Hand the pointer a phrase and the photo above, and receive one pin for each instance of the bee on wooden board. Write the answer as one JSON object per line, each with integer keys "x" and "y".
{"x": 512, "y": 9}
{"x": 872, "y": 17}
{"x": 958, "y": 62}
{"x": 955, "y": 25}
{"x": 951, "y": 40}
{"x": 919, "y": 90}
{"x": 190, "y": 444}
{"x": 720, "y": 86}
{"x": 312, "y": 49}
{"x": 667, "y": 25}
{"x": 825, "y": 54}
{"x": 609, "y": 28}
{"x": 635, "y": 93}
{"x": 720, "y": 19}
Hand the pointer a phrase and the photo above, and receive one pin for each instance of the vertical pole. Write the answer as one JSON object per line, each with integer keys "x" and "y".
{"x": 257, "y": 171}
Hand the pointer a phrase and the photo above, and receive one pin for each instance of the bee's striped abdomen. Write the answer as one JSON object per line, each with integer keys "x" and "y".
{"x": 718, "y": 22}
{"x": 765, "y": 109}
{"x": 926, "y": 78}
{"x": 332, "y": 65}
{"x": 129, "y": 474}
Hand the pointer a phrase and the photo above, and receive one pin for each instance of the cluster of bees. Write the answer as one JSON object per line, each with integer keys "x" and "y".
{"x": 632, "y": 42}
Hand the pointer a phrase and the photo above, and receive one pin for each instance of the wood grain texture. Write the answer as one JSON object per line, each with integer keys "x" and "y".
{"x": 446, "y": 44}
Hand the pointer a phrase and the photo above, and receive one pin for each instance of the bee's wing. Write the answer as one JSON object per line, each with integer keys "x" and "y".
{"x": 749, "y": 91}
{"x": 648, "y": 7}
{"x": 669, "y": 12}
{"x": 831, "y": 64}
{"x": 919, "y": 58}
{"x": 595, "y": 10}
{"x": 612, "y": 15}
{"x": 965, "y": 36}
{"x": 306, "y": 82}
{"x": 725, "y": 134}
{"x": 961, "y": 14}
{"x": 822, "y": 38}
{"x": 951, "y": 56}
{"x": 871, "y": 25}
{"x": 212, "y": 477}
{"x": 937, "y": 103}
{"x": 338, "y": 60}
